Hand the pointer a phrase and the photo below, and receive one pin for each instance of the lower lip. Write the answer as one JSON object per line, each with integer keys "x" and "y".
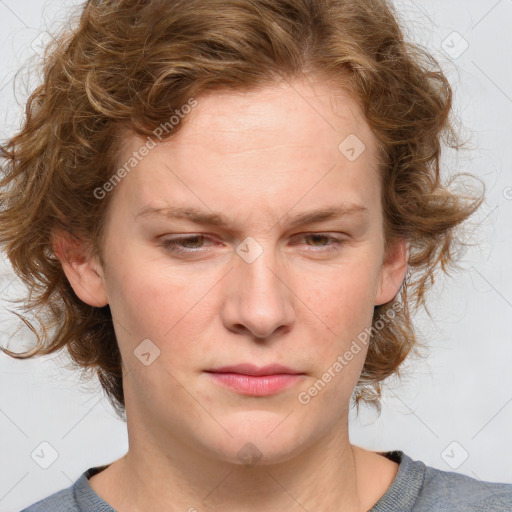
{"x": 256, "y": 385}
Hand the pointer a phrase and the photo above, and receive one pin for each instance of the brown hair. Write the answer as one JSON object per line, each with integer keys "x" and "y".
{"x": 129, "y": 64}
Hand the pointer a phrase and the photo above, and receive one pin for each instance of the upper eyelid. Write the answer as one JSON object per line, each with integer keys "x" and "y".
{"x": 355, "y": 222}
{"x": 211, "y": 235}
{"x": 207, "y": 237}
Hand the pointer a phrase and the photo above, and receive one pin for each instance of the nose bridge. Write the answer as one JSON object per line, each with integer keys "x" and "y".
{"x": 261, "y": 301}
{"x": 259, "y": 274}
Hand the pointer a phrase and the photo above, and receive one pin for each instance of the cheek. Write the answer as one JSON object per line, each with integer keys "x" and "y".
{"x": 342, "y": 298}
{"x": 147, "y": 298}
{"x": 342, "y": 306}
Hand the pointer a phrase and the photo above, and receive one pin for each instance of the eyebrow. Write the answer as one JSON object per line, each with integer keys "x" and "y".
{"x": 217, "y": 219}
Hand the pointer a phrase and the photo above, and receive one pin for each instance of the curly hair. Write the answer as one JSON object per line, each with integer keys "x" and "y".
{"x": 129, "y": 64}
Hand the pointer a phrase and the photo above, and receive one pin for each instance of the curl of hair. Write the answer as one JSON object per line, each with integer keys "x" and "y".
{"x": 129, "y": 64}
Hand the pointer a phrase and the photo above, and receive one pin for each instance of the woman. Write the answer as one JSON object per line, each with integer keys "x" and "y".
{"x": 217, "y": 202}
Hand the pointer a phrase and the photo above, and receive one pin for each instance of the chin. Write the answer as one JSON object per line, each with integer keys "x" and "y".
{"x": 260, "y": 438}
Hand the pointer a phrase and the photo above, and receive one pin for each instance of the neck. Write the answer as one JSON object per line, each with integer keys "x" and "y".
{"x": 170, "y": 467}
{"x": 330, "y": 475}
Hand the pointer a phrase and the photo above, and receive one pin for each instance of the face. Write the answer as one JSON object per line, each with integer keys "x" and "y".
{"x": 266, "y": 286}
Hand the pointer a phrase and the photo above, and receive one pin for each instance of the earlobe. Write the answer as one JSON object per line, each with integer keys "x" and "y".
{"x": 83, "y": 271}
{"x": 393, "y": 271}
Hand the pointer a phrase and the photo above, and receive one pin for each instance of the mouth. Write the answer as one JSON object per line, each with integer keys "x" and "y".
{"x": 251, "y": 380}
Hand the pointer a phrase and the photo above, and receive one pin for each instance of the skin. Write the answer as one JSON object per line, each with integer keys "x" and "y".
{"x": 259, "y": 158}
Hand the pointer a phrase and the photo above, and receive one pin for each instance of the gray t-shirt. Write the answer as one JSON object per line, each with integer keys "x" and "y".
{"x": 416, "y": 488}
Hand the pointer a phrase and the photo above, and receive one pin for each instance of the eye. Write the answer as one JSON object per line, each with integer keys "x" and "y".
{"x": 184, "y": 244}
{"x": 333, "y": 242}
{"x": 197, "y": 243}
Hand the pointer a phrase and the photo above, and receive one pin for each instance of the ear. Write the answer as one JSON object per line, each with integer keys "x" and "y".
{"x": 393, "y": 270}
{"x": 84, "y": 273}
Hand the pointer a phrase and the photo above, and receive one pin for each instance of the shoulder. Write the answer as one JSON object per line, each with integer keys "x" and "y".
{"x": 421, "y": 488}
{"x": 79, "y": 497}
{"x": 446, "y": 490}
{"x": 61, "y": 501}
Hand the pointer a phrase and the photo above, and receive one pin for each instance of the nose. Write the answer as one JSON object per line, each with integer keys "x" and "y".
{"x": 259, "y": 299}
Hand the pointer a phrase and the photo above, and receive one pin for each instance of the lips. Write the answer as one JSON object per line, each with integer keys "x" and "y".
{"x": 250, "y": 369}
{"x": 248, "y": 379}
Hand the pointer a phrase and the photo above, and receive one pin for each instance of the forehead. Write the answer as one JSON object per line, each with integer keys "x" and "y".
{"x": 306, "y": 114}
{"x": 260, "y": 144}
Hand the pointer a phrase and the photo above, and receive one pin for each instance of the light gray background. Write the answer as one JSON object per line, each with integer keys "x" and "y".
{"x": 454, "y": 408}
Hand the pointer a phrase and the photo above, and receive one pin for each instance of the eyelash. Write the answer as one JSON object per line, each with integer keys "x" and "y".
{"x": 171, "y": 244}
